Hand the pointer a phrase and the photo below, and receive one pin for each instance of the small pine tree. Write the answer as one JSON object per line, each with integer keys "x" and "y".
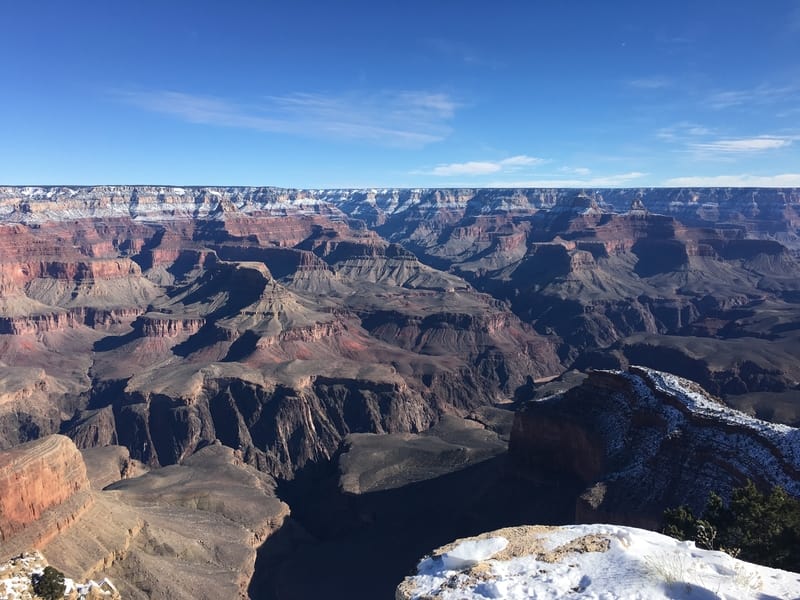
{"x": 763, "y": 529}
{"x": 679, "y": 523}
{"x": 49, "y": 585}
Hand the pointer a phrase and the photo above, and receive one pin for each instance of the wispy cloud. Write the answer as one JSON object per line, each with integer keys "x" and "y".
{"x": 759, "y": 95}
{"x": 618, "y": 180}
{"x": 682, "y": 131}
{"x": 484, "y": 167}
{"x": 405, "y": 118}
{"x": 656, "y": 82}
{"x": 741, "y": 145}
{"x": 744, "y": 180}
{"x": 707, "y": 143}
{"x": 580, "y": 171}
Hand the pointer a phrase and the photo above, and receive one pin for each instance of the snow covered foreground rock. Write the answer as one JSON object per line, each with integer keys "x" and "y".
{"x": 601, "y": 562}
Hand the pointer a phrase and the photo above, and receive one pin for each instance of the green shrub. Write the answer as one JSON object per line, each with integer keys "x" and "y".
{"x": 49, "y": 584}
{"x": 759, "y": 528}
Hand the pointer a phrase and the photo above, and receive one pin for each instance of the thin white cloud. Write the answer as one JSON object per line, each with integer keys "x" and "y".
{"x": 521, "y": 160}
{"x": 618, "y": 180}
{"x": 474, "y": 168}
{"x": 682, "y": 131}
{"x": 651, "y": 83}
{"x": 580, "y": 171}
{"x": 406, "y": 118}
{"x": 782, "y": 180}
{"x": 760, "y": 95}
{"x": 741, "y": 145}
{"x": 441, "y": 104}
{"x": 466, "y": 168}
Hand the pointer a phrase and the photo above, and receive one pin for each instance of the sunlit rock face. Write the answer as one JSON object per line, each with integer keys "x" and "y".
{"x": 165, "y": 318}
{"x": 281, "y": 321}
{"x": 188, "y": 531}
{"x": 45, "y": 489}
{"x": 213, "y": 330}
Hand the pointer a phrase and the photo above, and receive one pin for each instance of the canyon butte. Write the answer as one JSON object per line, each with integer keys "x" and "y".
{"x": 211, "y": 392}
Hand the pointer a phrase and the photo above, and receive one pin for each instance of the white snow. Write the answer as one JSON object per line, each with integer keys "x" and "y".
{"x": 15, "y": 580}
{"x": 639, "y": 564}
{"x": 472, "y": 552}
{"x": 761, "y": 443}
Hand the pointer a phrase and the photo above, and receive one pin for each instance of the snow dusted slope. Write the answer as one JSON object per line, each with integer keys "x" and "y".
{"x": 32, "y": 205}
{"x": 599, "y": 562}
{"x": 643, "y": 440}
{"x": 776, "y": 447}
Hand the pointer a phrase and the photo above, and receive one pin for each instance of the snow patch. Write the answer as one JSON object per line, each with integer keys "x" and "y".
{"x": 472, "y": 552}
{"x": 637, "y": 564}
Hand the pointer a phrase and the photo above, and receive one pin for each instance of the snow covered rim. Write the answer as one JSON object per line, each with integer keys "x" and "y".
{"x": 785, "y": 438}
{"x": 602, "y": 562}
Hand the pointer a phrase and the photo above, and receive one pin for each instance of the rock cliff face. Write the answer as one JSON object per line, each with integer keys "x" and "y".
{"x": 167, "y": 318}
{"x": 599, "y": 268}
{"x": 280, "y": 322}
{"x": 188, "y": 531}
{"x": 45, "y": 489}
{"x": 31, "y": 404}
{"x": 643, "y": 440}
{"x": 342, "y": 311}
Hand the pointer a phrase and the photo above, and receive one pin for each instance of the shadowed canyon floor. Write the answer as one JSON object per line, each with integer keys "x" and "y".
{"x": 361, "y": 546}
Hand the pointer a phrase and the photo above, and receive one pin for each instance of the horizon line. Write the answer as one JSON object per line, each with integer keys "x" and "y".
{"x": 390, "y": 187}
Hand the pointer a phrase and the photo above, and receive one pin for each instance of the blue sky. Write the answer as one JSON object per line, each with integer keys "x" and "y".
{"x": 434, "y": 93}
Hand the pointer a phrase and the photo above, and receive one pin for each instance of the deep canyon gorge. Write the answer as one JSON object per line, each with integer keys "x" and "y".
{"x": 240, "y": 385}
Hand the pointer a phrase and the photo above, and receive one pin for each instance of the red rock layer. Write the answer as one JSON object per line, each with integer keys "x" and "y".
{"x": 43, "y": 487}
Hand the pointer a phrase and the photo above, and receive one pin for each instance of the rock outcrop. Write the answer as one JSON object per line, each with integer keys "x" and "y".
{"x": 45, "y": 490}
{"x": 17, "y": 575}
{"x": 642, "y": 441}
{"x": 371, "y": 463}
{"x": 31, "y": 404}
{"x": 188, "y": 531}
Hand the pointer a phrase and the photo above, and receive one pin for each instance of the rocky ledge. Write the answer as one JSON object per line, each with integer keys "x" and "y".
{"x": 16, "y": 581}
{"x": 643, "y": 440}
{"x": 185, "y": 532}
